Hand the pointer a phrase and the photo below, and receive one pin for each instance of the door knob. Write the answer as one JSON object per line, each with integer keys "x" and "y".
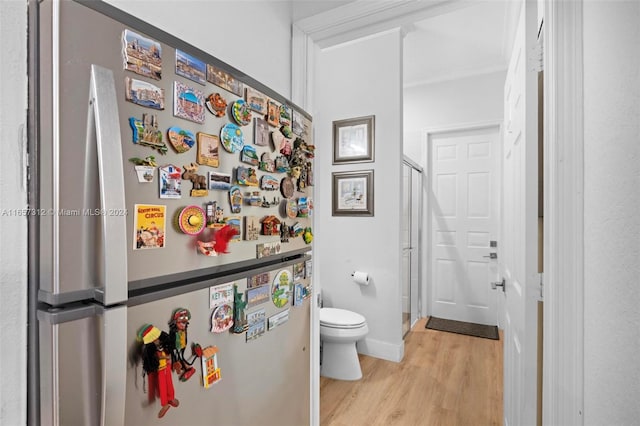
{"x": 492, "y": 256}
{"x": 497, "y": 284}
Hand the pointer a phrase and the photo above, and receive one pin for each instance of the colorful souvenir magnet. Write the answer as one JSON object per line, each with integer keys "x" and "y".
{"x": 287, "y": 187}
{"x": 273, "y": 114}
{"x": 226, "y": 81}
{"x": 297, "y": 124}
{"x": 269, "y": 183}
{"x": 210, "y": 371}
{"x": 144, "y": 94}
{"x": 282, "y": 164}
{"x": 286, "y": 132}
{"x": 232, "y": 138}
{"x": 235, "y": 199}
{"x": 270, "y": 225}
{"x": 188, "y": 103}
{"x": 235, "y": 225}
{"x": 303, "y": 207}
{"x": 251, "y": 228}
{"x": 178, "y": 334}
{"x": 309, "y": 171}
{"x": 258, "y": 280}
{"x": 199, "y": 181}
{"x": 192, "y": 220}
{"x": 142, "y": 55}
{"x": 216, "y": 104}
{"x": 274, "y": 202}
{"x": 278, "y": 319}
{"x": 220, "y": 295}
{"x": 256, "y": 100}
{"x": 257, "y": 296}
{"x": 260, "y": 132}
{"x": 241, "y": 112}
{"x": 307, "y": 236}
{"x": 268, "y": 249}
{"x": 249, "y": 155}
{"x": 284, "y": 233}
{"x": 157, "y": 346}
{"x": 222, "y": 319}
{"x": 191, "y": 67}
{"x": 298, "y": 295}
{"x": 252, "y": 198}
{"x": 285, "y": 115}
{"x": 296, "y": 230}
{"x": 146, "y": 132}
{"x": 256, "y": 324}
{"x": 266, "y": 163}
{"x": 149, "y": 224}
{"x": 291, "y": 208}
{"x": 246, "y": 176}
{"x": 285, "y": 147}
{"x": 145, "y": 168}
{"x": 298, "y": 271}
{"x": 170, "y": 181}
{"x": 281, "y": 288}
{"x": 208, "y": 150}
{"x": 239, "y": 319}
{"x": 219, "y": 181}
{"x": 207, "y": 248}
{"x": 181, "y": 140}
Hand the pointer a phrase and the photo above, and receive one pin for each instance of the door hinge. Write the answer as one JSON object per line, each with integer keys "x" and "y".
{"x": 541, "y": 287}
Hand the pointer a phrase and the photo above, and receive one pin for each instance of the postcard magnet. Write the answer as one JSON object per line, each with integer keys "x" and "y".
{"x": 260, "y": 132}
{"x": 143, "y": 93}
{"x": 208, "y": 150}
{"x": 142, "y": 55}
{"x": 170, "y": 181}
{"x": 285, "y": 115}
{"x": 266, "y": 163}
{"x": 269, "y": 183}
{"x": 149, "y": 225}
{"x": 256, "y": 324}
{"x": 273, "y": 114}
{"x": 188, "y": 103}
{"x": 191, "y": 67}
{"x": 256, "y": 100}
{"x": 246, "y": 176}
{"x": 281, "y": 288}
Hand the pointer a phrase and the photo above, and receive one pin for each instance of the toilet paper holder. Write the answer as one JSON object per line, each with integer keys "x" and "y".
{"x": 360, "y": 277}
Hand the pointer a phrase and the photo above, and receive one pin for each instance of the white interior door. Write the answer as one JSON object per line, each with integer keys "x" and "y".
{"x": 520, "y": 213}
{"x": 464, "y": 219}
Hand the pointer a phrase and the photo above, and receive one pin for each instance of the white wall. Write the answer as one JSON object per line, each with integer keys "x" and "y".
{"x": 611, "y": 204}
{"x": 13, "y": 229}
{"x": 355, "y": 79}
{"x": 474, "y": 99}
{"x": 252, "y": 36}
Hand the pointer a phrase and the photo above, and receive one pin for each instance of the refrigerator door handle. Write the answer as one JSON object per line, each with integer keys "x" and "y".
{"x": 104, "y": 127}
{"x": 114, "y": 371}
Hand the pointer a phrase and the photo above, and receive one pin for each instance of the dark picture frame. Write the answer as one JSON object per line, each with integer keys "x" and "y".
{"x": 354, "y": 140}
{"x": 353, "y": 193}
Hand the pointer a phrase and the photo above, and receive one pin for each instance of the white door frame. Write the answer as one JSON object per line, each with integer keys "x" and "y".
{"x": 427, "y": 135}
{"x": 563, "y": 345}
{"x": 563, "y": 381}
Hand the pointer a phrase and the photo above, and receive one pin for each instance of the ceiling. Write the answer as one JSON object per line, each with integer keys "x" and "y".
{"x": 468, "y": 41}
{"x": 462, "y": 39}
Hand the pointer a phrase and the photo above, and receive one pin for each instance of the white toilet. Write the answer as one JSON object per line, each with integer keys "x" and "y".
{"x": 339, "y": 331}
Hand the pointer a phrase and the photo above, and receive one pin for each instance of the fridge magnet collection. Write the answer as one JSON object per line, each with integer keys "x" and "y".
{"x": 276, "y": 127}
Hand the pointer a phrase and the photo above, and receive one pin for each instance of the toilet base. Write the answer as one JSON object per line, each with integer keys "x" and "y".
{"x": 340, "y": 361}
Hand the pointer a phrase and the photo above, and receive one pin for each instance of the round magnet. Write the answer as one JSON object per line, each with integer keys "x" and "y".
{"x": 192, "y": 220}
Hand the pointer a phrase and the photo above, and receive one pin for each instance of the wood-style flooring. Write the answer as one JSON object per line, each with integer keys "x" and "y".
{"x": 444, "y": 379}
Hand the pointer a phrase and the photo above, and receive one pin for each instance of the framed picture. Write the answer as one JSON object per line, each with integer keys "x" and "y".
{"x": 353, "y": 140}
{"x": 352, "y": 193}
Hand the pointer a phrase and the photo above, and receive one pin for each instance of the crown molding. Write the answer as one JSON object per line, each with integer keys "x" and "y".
{"x": 364, "y": 17}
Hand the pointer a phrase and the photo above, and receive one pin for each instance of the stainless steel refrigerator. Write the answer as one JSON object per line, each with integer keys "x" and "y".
{"x": 96, "y": 285}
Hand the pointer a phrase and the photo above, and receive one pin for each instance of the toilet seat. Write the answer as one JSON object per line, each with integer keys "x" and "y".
{"x": 340, "y": 318}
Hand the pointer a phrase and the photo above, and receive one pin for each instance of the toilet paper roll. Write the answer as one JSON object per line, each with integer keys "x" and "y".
{"x": 361, "y": 278}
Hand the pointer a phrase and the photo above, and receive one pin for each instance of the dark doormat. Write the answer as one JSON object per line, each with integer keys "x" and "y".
{"x": 460, "y": 327}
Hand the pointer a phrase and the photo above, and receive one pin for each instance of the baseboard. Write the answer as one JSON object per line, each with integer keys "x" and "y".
{"x": 379, "y": 349}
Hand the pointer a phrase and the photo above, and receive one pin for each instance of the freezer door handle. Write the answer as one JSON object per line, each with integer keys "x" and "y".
{"x": 114, "y": 361}
{"x": 104, "y": 128}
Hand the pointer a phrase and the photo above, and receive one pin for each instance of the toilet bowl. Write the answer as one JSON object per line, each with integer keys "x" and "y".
{"x": 339, "y": 331}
